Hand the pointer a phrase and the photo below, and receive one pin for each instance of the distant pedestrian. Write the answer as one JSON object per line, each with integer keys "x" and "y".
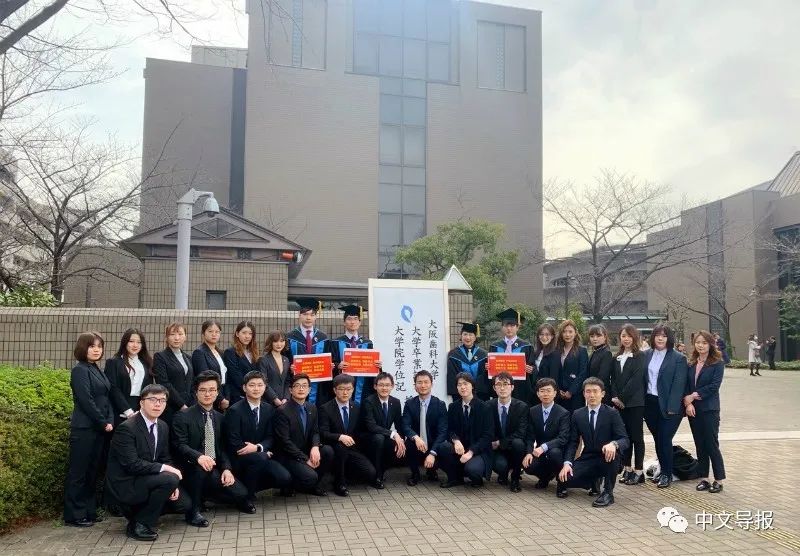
{"x": 771, "y": 344}
{"x": 723, "y": 349}
{"x": 754, "y": 355}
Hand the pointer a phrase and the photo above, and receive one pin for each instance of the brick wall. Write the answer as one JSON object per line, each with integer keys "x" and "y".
{"x": 249, "y": 285}
{"x": 31, "y": 336}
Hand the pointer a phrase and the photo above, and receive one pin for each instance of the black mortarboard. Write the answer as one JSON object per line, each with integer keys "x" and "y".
{"x": 510, "y": 316}
{"x": 311, "y": 303}
{"x": 472, "y": 327}
{"x": 353, "y": 311}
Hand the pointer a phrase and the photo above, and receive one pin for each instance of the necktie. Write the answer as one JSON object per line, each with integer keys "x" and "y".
{"x": 423, "y": 425}
{"x": 354, "y": 342}
{"x": 255, "y": 415}
{"x": 591, "y": 419}
{"x": 466, "y": 413}
{"x": 303, "y": 417}
{"x": 545, "y": 415}
{"x": 385, "y": 413}
{"x": 309, "y": 345}
{"x": 345, "y": 418}
{"x": 504, "y": 420}
{"x": 469, "y": 354}
{"x": 208, "y": 445}
{"x": 153, "y": 439}
{"x": 508, "y": 346}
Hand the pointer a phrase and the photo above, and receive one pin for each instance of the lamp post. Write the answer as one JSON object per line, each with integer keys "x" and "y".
{"x": 185, "y": 209}
{"x": 566, "y": 296}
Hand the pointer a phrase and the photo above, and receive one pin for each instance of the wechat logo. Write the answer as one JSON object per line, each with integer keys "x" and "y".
{"x": 670, "y": 517}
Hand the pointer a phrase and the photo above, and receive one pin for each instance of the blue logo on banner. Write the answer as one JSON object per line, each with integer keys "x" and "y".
{"x": 406, "y": 313}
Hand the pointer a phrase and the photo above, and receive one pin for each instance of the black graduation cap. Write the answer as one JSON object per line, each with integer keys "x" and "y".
{"x": 472, "y": 327}
{"x": 511, "y": 316}
{"x": 353, "y": 311}
{"x": 311, "y": 303}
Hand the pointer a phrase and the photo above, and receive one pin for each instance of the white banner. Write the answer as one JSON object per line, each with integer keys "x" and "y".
{"x": 409, "y": 323}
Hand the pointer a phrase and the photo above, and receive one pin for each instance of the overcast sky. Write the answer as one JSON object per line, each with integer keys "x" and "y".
{"x": 701, "y": 95}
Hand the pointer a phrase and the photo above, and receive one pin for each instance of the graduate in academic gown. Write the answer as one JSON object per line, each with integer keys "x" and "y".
{"x": 307, "y": 339}
{"x": 351, "y": 338}
{"x": 468, "y": 358}
{"x": 511, "y": 320}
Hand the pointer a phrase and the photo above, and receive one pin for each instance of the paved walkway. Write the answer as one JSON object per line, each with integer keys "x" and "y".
{"x": 760, "y": 443}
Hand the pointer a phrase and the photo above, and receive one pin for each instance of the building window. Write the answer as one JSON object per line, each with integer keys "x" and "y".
{"x": 194, "y": 252}
{"x": 216, "y": 300}
{"x": 501, "y": 56}
{"x": 244, "y": 254}
{"x": 297, "y": 32}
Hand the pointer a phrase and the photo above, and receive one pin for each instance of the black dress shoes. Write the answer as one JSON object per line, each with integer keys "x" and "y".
{"x": 141, "y": 532}
{"x": 197, "y": 520}
{"x": 715, "y": 486}
{"x": 605, "y": 499}
{"x": 514, "y": 486}
{"x": 635, "y": 478}
{"x": 624, "y": 478}
{"x": 341, "y": 490}
{"x": 413, "y": 480}
{"x": 502, "y": 480}
{"x": 286, "y": 492}
{"x": 561, "y": 492}
{"x": 378, "y": 483}
{"x": 451, "y": 483}
{"x": 664, "y": 481}
{"x": 431, "y": 475}
{"x": 84, "y": 522}
{"x": 541, "y": 485}
{"x": 703, "y": 485}
{"x": 595, "y": 490}
{"x": 247, "y": 508}
{"x": 319, "y": 491}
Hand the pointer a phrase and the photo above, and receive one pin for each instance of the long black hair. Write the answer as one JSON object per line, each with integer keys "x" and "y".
{"x": 144, "y": 355}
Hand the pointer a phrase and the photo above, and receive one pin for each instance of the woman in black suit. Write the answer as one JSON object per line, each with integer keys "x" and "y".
{"x": 601, "y": 362}
{"x": 90, "y": 425}
{"x": 206, "y": 357}
{"x": 130, "y": 370}
{"x": 173, "y": 368}
{"x": 706, "y": 369}
{"x": 240, "y": 359}
{"x": 276, "y": 367}
{"x": 627, "y": 394}
{"x": 573, "y": 361}
{"x": 544, "y": 354}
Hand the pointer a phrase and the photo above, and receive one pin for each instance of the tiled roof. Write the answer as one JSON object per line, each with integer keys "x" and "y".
{"x": 787, "y": 182}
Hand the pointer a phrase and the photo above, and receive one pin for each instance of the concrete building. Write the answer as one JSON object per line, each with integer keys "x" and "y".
{"x": 732, "y": 278}
{"x": 357, "y": 127}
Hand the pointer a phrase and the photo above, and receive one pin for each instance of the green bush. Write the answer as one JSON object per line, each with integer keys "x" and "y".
{"x": 779, "y": 365}
{"x": 35, "y": 405}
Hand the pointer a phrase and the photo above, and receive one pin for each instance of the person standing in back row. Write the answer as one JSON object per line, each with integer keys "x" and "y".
{"x": 307, "y": 339}
{"x": 510, "y": 322}
{"x": 574, "y": 366}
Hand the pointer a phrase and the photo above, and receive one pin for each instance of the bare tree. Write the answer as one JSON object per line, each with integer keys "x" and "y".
{"x": 611, "y": 219}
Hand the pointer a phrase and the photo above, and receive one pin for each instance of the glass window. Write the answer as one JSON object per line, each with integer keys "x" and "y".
{"x": 389, "y": 198}
{"x": 414, "y": 88}
{"x": 439, "y": 20}
{"x": 390, "y": 144}
{"x": 514, "y": 70}
{"x": 244, "y": 254}
{"x": 390, "y": 174}
{"x": 365, "y": 58}
{"x": 391, "y": 86}
{"x": 438, "y": 61}
{"x": 391, "y": 56}
{"x": 414, "y": 62}
{"x": 413, "y": 111}
{"x": 414, "y": 146}
{"x": 366, "y": 15}
{"x": 413, "y": 228}
{"x": 391, "y": 17}
{"x": 388, "y": 231}
{"x": 391, "y": 109}
{"x": 491, "y": 48}
{"x": 216, "y": 299}
{"x": 413, "y": 199}
{"x": 414, "y": 19}
{"x": 414, "y": 176}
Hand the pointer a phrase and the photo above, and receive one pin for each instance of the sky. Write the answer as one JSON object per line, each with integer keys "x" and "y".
{"x": 702, "y": 96}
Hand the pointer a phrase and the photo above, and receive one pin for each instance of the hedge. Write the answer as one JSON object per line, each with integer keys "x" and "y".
{"x": 779, "y": 365}
{"x": 35, "y": 405}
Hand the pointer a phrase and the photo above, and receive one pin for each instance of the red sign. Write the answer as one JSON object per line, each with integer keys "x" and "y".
{"x": 512, "y": 363}
{"x": 361, "y": 362}
{"x": 318, "y": 367}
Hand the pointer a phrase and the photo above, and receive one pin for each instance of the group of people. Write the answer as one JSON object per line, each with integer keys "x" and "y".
{"x": 224, "y": 425}
{"x": 754, "y": 348}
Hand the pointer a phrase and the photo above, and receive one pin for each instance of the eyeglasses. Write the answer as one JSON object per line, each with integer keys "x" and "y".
{"x": 344, "y": 388}
{"x": 207, "y": 391}
{"x": 301, "y": 386}
{"x": 502, "y": 384}
{"x": 156, "y": 401}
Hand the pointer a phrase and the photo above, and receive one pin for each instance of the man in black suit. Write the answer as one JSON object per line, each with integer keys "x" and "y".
{"x": 425, "y": 428}
{"x": 248, "y": 432}
{"x": 340, "y": 427}
{"x": 604, "y": 438}
{"x": 548, "y": 434}
{"x": 299, "y": 448}
{"x": 509, "y": 430}
{"x": 198, "y": 442}
{"x": 469, "y": 450}
{"x": 351, "y": 339}
{"x": 382, "y": 442}
{"x": 140, "y": 475}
